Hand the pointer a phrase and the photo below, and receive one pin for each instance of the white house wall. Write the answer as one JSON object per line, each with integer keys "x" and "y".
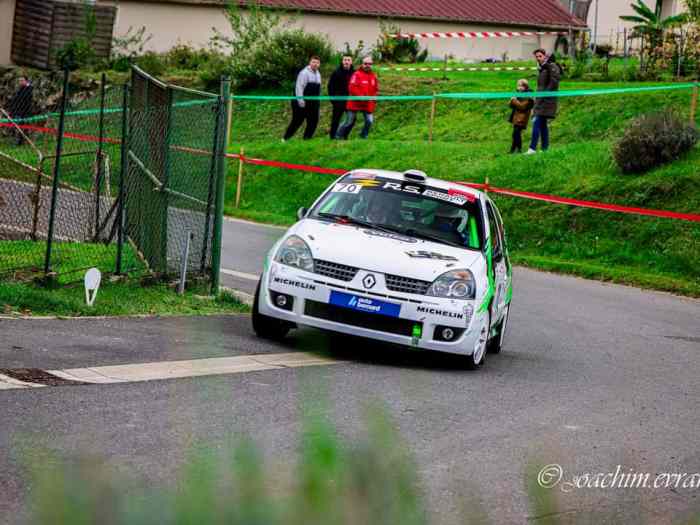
{"x": 191, "y": 24}
{"x": 7, "y": 17}
{"x": 610, "y": 11}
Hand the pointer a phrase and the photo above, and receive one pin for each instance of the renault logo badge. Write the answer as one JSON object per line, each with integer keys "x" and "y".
{"x": 369, "y": 281}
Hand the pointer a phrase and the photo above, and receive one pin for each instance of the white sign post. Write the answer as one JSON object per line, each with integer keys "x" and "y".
{"x": 92, "y": 283}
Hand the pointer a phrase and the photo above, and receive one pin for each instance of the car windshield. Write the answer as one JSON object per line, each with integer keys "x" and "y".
{"x": 409, "y": 208}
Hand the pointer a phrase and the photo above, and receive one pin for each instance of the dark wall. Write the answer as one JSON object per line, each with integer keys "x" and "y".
{"x": 42, "y": 27}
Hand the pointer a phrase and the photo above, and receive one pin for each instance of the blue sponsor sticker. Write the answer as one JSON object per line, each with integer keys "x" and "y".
{"x": 365, "y": 304}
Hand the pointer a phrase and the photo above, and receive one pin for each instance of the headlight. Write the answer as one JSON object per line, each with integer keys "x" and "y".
{"x": 455, "y": 284}
{"x": 295, "y": 252}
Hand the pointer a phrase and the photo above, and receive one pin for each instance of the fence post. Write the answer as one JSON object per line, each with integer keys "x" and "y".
{"x": 239, "y": 184}
{"x": 220, "y": 186}
{"x": 98, "y": 175}
{"x": 693, "y": 105}
{"x": 122, "y": 174}
{"x": 56, "y": 172}
{"x": 433, "y": 104}
{"x": 229, "y": 118}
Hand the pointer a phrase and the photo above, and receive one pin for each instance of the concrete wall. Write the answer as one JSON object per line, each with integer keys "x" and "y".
{"x": 7, "y": 16}
{"x": 192, "y": 24}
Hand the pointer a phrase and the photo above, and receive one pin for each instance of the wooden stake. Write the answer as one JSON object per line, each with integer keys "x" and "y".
{"x": 433, "y": 104}
{"x": 239, "y": 185}
{"x": 693, "y": 105}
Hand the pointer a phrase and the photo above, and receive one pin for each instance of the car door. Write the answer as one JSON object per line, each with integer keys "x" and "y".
{"x": 500, "y": 263}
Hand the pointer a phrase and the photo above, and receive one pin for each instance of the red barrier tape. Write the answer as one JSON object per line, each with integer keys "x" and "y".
{"x": 586, "y": 204}
{"x": 286, "y": 165}
{"x": 693, "y": 217}
{"x": 54, "y": 131}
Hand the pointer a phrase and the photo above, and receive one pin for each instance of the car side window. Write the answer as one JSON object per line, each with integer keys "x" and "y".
{"x": 494, "y": 233}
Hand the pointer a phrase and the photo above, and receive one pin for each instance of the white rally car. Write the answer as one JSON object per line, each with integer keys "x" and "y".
{"x": 397, "y": 257}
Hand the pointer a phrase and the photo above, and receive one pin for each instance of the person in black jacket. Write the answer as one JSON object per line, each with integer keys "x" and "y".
{"x": 545, "y": 107}
{"x": 338, "y": 87}
{"x": 20, "y": 105}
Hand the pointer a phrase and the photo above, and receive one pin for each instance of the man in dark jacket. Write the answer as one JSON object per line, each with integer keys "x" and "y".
{"x": 308, "y": 84}
{"x": 20, "y": 105}
{"x": 545, "y": 107}
{"x": 338, "y": 87}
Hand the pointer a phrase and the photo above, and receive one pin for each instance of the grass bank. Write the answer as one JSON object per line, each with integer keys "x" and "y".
{"x": 471, "y": 141}
{"x": 129, "y": 297}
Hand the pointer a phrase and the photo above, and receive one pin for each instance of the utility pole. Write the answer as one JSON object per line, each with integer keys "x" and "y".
{"x": 572, "y": 43}
{"x": 595, "y": 28}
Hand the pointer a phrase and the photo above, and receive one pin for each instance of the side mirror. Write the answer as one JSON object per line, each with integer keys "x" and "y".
{"x": 301, "y": 213}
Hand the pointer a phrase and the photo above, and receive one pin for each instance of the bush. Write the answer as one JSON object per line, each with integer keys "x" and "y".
{"x": 183, "y": 56}
{"x": 127, "y": 48}
{"x": 76, "y": 54}
{"x": 152, "y": 63}
{"x": 397, "y": 50}
{"x": 652, "y": 140}
{"x": 276, "y": 63}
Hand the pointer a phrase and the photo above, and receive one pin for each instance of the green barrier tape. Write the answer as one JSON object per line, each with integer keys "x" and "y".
{"x": 484, "y": 95}
{"x": 463, "y": 96}
{"x": 325, "y": 97}
{"x": 567, "y": 93}
{"x": 87, "y": 112}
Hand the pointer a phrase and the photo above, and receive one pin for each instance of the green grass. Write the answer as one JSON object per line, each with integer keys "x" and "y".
{"x": 69, "y": 260}
{"x": 471, "y": 141}
{"x": 129, "y": 297}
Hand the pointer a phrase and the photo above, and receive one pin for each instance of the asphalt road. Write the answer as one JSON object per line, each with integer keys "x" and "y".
{"x": 593, "y": 376}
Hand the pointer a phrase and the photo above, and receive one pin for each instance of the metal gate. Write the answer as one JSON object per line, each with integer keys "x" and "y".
{"x": 174, "y": 175}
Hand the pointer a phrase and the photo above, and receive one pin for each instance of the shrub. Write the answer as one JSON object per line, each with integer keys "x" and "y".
{"x": 397, "y": 50}
{"x": 76, "y": 54}
{"x": 152, "y": 63}
{"x": 183, "y": 56}
{"x": 126, "y": 48}
{"x": 262, "y": 52}
{"x": 277, "y": 62}
{"x": 652, "y": 140}
{"x": 79, "y": 52}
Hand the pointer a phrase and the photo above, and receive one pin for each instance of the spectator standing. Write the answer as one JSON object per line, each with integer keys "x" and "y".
{"x": 20, "y": 105}
{"x": 338, "y": 86}
{"x": 519, "y": 117}
{"x": 545, "y": 107}
{"x": 308, "y": 85}
{"x": 363, "y": 83}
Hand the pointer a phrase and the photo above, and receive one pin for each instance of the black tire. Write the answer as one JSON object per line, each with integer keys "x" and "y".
{"x": 470, "y": 363}
{"x": 265, "y": 326}
{"x": 495, "y": 345}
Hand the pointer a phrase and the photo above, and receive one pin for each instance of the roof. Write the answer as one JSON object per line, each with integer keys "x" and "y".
{"x": 530, "y": 13}
{"x": 429, "y": 181}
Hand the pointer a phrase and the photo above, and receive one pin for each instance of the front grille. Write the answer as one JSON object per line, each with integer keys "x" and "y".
{"x": 396, "y": 283}
{"x": 380, "y": 323}
{"x": 335, "y": 270}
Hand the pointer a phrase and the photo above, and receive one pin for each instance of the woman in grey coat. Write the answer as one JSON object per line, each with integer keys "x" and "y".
{"x": 545, "y": 107}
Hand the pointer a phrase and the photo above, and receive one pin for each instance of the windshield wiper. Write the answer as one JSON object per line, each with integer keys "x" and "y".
{"x": 358, "y": 222}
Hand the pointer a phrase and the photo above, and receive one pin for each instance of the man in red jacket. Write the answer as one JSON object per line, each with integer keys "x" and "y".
{"x": 362, "y": 84}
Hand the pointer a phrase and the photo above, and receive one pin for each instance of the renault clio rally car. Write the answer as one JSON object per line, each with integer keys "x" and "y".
{"x": 397, "y": 257}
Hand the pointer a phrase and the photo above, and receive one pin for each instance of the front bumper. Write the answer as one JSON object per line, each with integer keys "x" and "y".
{"x": 407, "y": 319}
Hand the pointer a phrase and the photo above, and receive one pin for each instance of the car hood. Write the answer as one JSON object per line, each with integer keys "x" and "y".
{"x": 382, "y": 252}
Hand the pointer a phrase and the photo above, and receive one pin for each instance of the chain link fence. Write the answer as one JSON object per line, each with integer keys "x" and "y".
{"x": 118, "y": 180}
